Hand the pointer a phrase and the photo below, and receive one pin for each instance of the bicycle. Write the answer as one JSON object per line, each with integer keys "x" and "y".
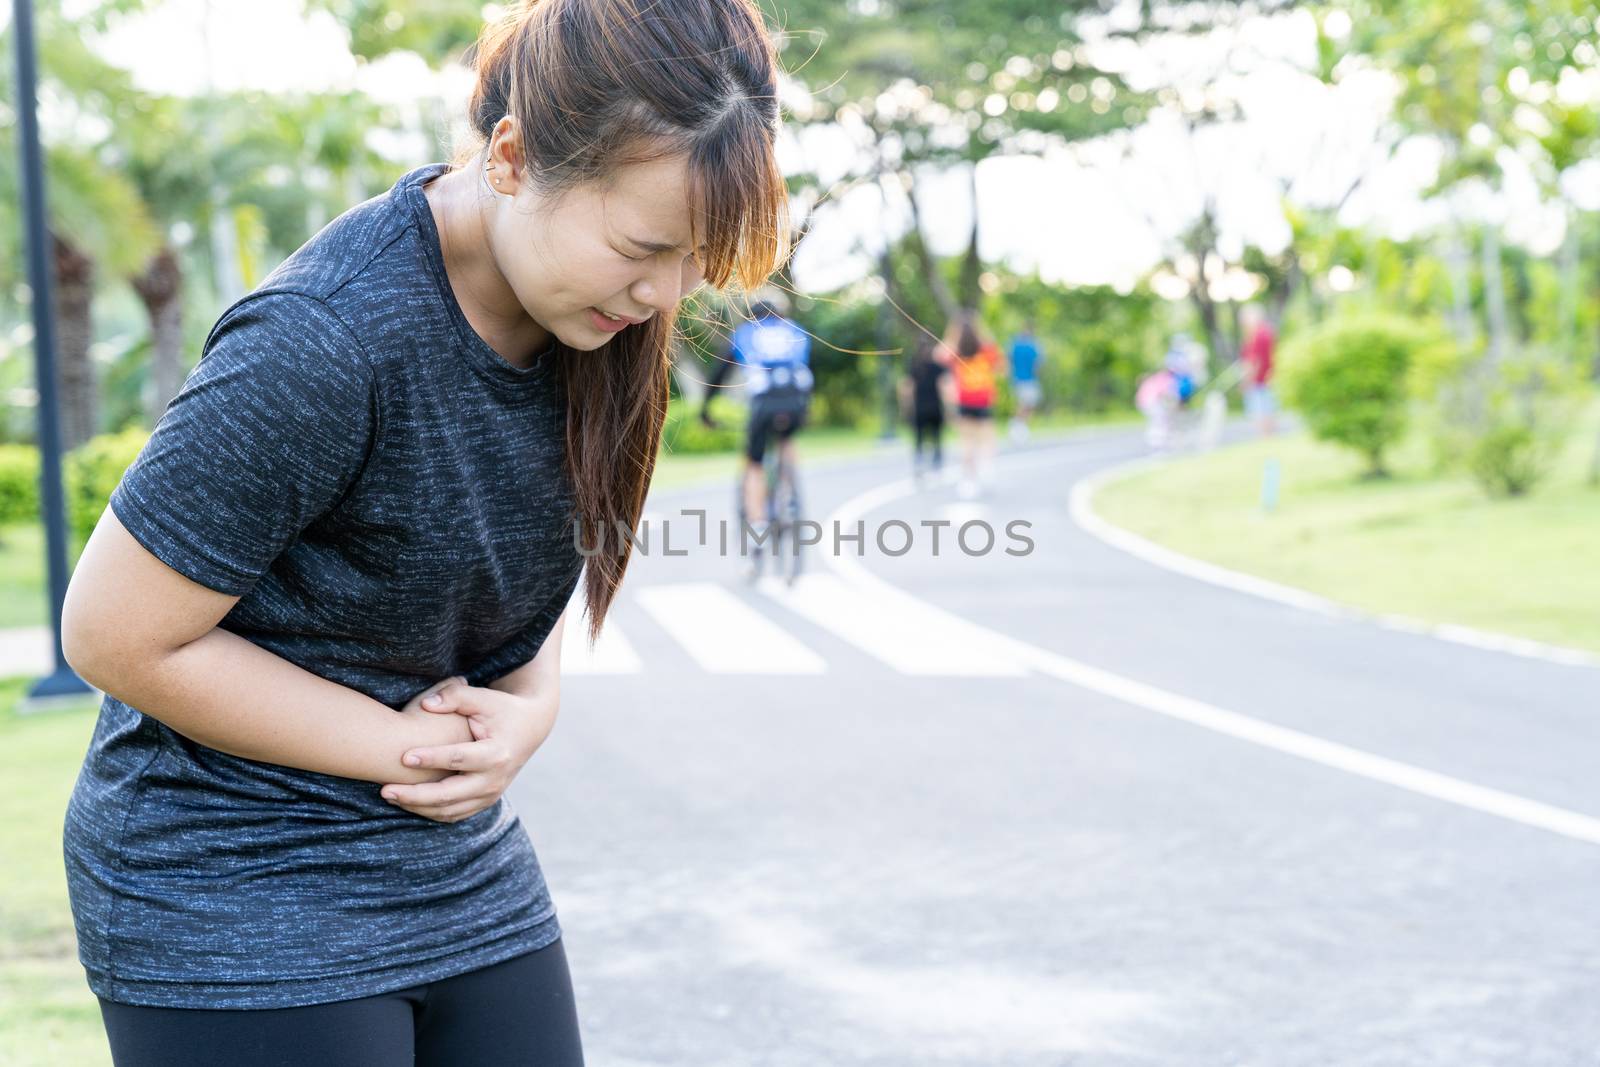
{"x": 785, "y": 512}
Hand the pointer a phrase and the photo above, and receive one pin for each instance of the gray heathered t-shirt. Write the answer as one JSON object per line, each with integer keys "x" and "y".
{"x": 388, "y": 496}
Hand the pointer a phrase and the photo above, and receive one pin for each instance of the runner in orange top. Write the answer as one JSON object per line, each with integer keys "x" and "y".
{"x": 977, "y": 365}
{"x": 976, "y": 379}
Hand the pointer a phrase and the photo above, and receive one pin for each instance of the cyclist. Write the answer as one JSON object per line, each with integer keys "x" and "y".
{"x": 776, "y": 357}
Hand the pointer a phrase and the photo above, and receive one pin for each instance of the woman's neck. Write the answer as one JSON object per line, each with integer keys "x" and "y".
{"x": 460, "y": 212}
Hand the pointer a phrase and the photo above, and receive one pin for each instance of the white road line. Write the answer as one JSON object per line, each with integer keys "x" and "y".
{"x": 722, "y": 633}
{"x": 1354, "y": 761}
{"x": 906, "y": 637}
{"x": 958, "y": 512}
{"x": 612, "y": 654}
{"x": 1082, "y": 509}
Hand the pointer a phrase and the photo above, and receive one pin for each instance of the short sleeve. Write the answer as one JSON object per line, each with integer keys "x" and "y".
{"x": 268, "y": 433}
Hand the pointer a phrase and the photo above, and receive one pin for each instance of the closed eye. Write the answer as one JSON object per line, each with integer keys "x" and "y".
{"x": 654, "y": 249}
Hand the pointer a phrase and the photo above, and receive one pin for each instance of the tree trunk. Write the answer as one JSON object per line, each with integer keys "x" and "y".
{"x": 1279, "y": 302}
{"x": 1221, "y": 351}
{"x": 889, "y": 367}
{"x": 160, "y": 287}
{"x": 225, "y": 271}
{"x": 1211, "y": 323}
{"x": 1596, "y": 289}
{"x": 971, "y": 264}
{"x": 1494, "y": 295}
{"x": 80, "y": 408}
{"x": 1461, "y": 318}
{"x": 1571, "y": 324}
{"x": 919, "y": 248}
{"x": 1202, "y": 245}
{"x": 895, "y": 295}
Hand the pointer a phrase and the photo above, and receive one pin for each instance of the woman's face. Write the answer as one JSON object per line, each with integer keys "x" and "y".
{"x": 620, "y": 248}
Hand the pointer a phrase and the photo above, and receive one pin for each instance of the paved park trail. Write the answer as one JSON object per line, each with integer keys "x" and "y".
{"x": 1051, "y": 808}
{"x": 1055, "y": 807}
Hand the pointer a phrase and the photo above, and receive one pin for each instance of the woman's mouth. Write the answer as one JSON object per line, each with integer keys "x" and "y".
{"x": 605, "y": 322}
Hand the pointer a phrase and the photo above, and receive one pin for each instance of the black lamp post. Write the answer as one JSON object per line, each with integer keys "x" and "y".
{"x": 63, "y": 681}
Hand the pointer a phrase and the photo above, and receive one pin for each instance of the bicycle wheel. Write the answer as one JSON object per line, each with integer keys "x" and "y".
{"x": 752, "y": 565}
{"x": 787, "y": 508}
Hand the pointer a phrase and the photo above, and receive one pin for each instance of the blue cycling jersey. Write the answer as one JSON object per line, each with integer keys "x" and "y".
{"x": 774, "y": 353}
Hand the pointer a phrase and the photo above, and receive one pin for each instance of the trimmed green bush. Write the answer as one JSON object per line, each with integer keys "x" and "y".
{"x": 1351, "y": 380}
{"x": 19, "y": 483}
{"x": 92, "y": 470}
{"x": 685, "y": 434}
{"x": 89, "y": 472}
{"x": 1513, "y": 418}
{"x": 1506, "y": 459}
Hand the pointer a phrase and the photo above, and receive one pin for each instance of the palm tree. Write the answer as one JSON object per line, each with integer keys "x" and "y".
{"x": 98, "y": 222}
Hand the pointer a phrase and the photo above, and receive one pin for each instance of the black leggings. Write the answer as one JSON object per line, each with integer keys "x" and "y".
{"x": 520, "y": 1012}
{"x": 928, "y": 432}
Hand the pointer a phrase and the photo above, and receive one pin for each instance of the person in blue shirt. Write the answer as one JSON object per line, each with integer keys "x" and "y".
{"x": 1183, "y": 361}
{"x": 776, "y": 357}
{"x": 1024, "y": 379}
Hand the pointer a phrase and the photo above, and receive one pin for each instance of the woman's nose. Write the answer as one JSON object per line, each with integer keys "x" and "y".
{"x": 664, "y": 288}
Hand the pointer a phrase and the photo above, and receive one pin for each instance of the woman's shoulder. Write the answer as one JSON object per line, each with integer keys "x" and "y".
{"x": 278, "y": 331}
{"x": 353, "y": 243}
{"x": 365, "y": 275}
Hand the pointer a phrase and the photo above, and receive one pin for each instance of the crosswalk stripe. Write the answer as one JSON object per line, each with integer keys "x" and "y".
{"x": 612, "y": 654}
{"x": 723, "y": 634}
{"x": 908, "y": 640}
{"x": 27, "y": 650}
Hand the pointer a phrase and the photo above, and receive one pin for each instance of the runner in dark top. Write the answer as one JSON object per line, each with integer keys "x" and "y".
{"x": 376, "y": 480}
{"x": 925, "y": 387}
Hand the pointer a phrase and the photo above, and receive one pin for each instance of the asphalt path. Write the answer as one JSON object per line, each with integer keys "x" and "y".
{"x": 1062, "y": 807}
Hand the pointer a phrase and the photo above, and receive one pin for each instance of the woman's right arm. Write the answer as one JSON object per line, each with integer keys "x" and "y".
{"x": 144, "y": 633}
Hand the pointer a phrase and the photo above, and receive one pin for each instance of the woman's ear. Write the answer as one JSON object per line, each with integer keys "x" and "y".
{"x": 505, "y": 153}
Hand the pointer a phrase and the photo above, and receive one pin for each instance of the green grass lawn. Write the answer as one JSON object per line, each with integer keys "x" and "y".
{"x": 22, "y": 575}
{"x": 47, "y": 1014}
{"x": 1422, "y": 544}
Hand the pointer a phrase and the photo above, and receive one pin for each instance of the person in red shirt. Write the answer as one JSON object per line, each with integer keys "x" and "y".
{"x": 977, "y": 365}
{"x": 1256, "y": 354}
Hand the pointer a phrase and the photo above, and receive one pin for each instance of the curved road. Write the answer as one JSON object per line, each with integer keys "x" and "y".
{"x": 1115, "y": 816}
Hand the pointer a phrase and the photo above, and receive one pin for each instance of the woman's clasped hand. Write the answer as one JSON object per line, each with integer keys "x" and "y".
{"x": 506, "y": 730}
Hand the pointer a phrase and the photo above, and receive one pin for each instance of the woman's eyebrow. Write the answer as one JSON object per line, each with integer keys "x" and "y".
{"x": 653, "y": 246}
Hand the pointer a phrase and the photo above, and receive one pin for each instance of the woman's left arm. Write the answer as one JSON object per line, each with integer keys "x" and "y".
{"x": 510, "y": 718}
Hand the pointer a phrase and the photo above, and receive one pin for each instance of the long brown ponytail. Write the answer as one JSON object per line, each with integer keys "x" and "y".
{"x": 596, "y": 84}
